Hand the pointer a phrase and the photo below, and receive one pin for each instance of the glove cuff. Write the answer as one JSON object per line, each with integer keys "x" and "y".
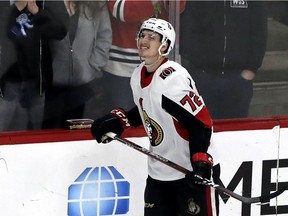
{"x": 204, "y": 157}
{"x": 120, "y": 114}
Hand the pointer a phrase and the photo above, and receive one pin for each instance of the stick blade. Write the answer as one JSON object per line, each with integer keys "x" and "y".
{"x": 249, "y": 200}
{"x": 267, "y": 198}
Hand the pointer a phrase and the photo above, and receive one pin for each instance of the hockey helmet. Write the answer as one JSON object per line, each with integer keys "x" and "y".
{"x": 162, "y": 27}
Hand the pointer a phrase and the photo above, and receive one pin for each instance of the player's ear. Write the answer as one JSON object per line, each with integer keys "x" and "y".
{"x": 164, "y": 47}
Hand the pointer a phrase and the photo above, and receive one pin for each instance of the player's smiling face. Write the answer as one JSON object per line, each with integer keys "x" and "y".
{"x": 148, "y": 44}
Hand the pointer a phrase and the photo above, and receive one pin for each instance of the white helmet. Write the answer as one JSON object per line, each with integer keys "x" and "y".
{"x": 163, "y": 28}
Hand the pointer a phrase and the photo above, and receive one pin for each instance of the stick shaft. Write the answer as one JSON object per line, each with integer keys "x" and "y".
{"x": 220, "y": 188}
{"x": 148, "y": 152}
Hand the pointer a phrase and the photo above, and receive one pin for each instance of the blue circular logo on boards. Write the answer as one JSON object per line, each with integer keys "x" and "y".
{"x": 99, "y": 191}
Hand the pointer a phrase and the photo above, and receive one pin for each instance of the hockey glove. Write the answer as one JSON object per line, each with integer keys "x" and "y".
{"x": 116, "y": 121}
{"x": 202, "y": 164}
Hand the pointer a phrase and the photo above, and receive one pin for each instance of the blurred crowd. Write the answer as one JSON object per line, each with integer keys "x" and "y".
{"x": 70, "y": 59}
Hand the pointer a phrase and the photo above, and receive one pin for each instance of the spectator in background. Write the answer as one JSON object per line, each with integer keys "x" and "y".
{"x": 126, "y": 18}
{"x": 6, "y": 45}
{"x": 77, "y": 64}
{"x": 222, "y": 45}
{"x": 30, "y": 25}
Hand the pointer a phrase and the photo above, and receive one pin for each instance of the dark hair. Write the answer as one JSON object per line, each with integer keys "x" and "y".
{"x": 168, "y": 45}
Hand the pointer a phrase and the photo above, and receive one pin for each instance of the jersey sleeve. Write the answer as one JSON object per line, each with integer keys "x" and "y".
{"x": 181, "y": 90}
{"x": 137, "y": 11}
{"x": 182, "y": 101}
{"x": 134, "y": 117}
{"x": 131, "y": 11}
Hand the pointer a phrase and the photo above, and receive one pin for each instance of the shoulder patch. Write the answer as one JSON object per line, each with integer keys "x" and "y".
{"x": 166, "y": 72}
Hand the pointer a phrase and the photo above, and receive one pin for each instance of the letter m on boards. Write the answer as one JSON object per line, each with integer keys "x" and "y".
{"x": 245, "y": 174}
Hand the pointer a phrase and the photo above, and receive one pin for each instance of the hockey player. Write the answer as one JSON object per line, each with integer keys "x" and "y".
{"x": 177, "y": 123}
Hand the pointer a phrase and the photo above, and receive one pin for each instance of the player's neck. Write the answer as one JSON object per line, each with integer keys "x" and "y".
{"x": 151, "y": 67}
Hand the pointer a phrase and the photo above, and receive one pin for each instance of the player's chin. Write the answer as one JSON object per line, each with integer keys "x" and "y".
{"x": 142, "y": 54}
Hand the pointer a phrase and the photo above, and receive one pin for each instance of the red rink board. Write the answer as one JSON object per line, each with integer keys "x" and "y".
{"x": 60, "y": 135}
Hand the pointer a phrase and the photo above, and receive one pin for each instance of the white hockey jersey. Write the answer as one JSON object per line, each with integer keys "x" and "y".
{"x": 167, "y": 137}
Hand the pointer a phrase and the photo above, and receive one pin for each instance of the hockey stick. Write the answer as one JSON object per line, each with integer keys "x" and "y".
{"x": 249, "y": 200}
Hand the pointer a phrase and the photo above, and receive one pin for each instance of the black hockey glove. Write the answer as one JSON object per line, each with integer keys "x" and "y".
{"x": 202, "y": 164}
{"x": 116, "y": 121}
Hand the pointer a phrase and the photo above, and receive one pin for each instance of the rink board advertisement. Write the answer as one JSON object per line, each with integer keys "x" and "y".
{"x": 84, "y": 178}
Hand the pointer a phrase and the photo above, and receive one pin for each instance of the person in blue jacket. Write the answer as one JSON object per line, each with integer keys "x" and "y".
{"x": 30, "y": 25}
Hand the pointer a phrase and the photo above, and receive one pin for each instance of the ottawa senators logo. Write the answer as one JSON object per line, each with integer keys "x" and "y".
{"x": 154, "y": 131}
{"x": 193, "y": 208}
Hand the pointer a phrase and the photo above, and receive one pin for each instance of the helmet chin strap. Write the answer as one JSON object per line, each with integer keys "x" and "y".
{"x": 159, "y": 50}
